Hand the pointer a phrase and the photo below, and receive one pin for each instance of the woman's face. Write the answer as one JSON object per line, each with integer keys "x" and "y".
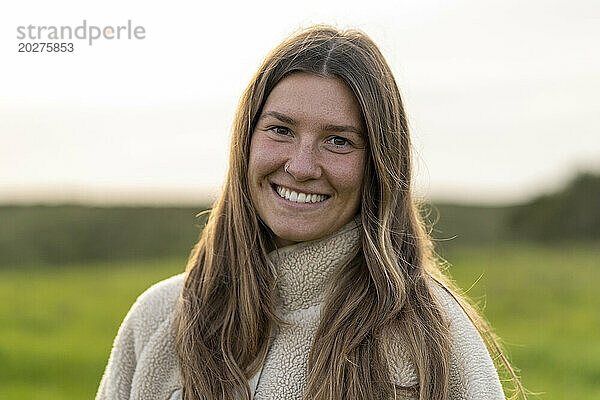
{"x": 307, "y": 157}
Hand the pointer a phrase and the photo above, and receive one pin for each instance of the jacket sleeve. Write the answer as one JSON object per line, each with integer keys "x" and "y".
{"x": 472, "y": 372}
{"x": 134, "y": 348}
{"x": 118, "y": 375}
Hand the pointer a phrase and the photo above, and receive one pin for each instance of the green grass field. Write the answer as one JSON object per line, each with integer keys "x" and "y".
{"x": 57, "y": 324}
{"x": 543, "y": 301}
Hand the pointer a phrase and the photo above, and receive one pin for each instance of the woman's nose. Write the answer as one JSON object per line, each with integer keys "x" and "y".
{"x": 303, "y": 163}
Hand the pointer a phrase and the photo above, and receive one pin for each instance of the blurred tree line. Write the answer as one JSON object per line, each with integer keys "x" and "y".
{"x": 39, "y": 235}
{"x": 570, "y": 214}
{"x": 42, "y": 234}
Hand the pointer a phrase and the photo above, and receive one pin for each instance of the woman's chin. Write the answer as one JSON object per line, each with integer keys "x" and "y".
{"x": 286, "y": 237}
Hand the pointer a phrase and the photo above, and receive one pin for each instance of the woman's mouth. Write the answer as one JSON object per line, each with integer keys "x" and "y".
{"x": 299, "y": 197}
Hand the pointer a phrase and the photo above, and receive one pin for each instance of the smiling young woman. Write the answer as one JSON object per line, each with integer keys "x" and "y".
{"x": 313, "y": 278}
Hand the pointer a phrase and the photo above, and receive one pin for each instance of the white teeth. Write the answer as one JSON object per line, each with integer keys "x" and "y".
{"x": 299, "y": 197}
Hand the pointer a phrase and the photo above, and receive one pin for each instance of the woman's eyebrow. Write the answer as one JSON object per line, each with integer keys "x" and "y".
{"x": 341, "y": 128}
{"x": 279, "y": 116}
{"x": 327, "y": 127}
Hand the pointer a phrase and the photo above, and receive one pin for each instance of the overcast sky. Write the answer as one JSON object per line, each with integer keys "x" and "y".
{"x": 502, "y": 96}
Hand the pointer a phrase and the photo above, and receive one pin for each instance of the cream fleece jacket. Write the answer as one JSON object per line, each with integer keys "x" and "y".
{"x": 143, "y": 365}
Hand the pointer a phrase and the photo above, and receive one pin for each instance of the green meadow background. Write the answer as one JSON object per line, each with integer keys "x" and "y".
{"x": 68, "y": 275}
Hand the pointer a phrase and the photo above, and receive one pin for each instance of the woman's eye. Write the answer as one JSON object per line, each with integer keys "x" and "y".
{"x": 280, "y": 130}
{"x": 339, "y": 141}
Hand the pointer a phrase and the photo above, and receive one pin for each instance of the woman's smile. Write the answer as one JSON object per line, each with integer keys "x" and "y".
{"x": 299, "y": 197}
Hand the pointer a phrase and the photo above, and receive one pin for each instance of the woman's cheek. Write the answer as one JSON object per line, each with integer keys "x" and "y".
{"x": 348, "y": 172}
{"x": 266, "y": 155}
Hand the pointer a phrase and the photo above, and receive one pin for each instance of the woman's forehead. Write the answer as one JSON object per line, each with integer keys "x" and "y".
{"x": 305, "y": 97}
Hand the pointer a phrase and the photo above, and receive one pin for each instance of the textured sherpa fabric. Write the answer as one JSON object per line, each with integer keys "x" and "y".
{"x": 303, "y": 273}
{"x": 143, "y": 365}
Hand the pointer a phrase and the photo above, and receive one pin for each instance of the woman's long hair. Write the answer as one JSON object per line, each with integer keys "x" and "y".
{"x": 227, "y": 308}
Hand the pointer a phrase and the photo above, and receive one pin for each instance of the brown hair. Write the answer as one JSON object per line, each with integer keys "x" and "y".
{"x": 227, "y": 308}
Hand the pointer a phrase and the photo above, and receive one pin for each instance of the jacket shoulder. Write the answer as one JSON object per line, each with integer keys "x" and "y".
{"x": 156, "y": 305}
{"x": 472, "y": 371}
{"x": 152, "y": 314}
{"x": 163, "y": 295}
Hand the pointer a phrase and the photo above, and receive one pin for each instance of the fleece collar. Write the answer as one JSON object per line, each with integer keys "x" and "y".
{"x": 305, "y": 269}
